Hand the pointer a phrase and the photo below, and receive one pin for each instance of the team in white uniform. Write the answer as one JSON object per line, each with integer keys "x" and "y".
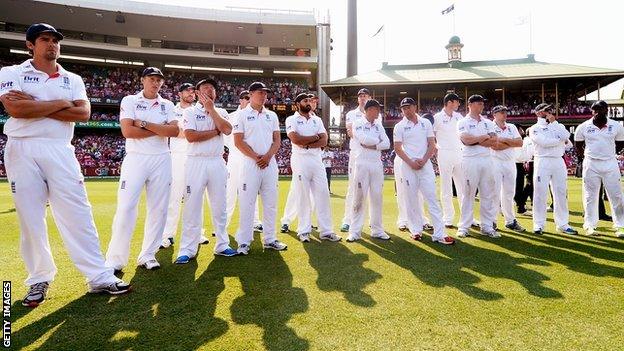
{"x": 596, "y": 141}
{"x": 204, "y": 126}
{"x": 308, "y": 136}
{"x": 147, "y": 120}
{"x": 43, "y": 101}
{"x": 550, "y": 139}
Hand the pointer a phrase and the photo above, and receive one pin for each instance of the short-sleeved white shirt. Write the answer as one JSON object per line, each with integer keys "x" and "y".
{"x": 178, "y": 144}
{"x": 414, "y": 136}
{"x": 445, "y": 128}
{"x": 305, "y": 127}
{"x": 350, "y": 118}
{"x": 475, "y": 128}
{"x": 158, "y": 110}
{"x": 257, "y": 128}
{"x": 196, "y": 118}
{"x": 599, "y": 142}
{"x": 509, "y": 132}
{"x": 62, "y": 85}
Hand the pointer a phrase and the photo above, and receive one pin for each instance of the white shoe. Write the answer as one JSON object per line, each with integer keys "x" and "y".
{"x": 203, "y": 240}
{"x": 352, "y": 238}
{"x": 304, "y": 237}
{"x": 462, "y": 233}
{"x": 243, "y": 249}
{"x": 381, "y": 236}
{"x": 331, "y": 237}
{"x": 167, "y": 242}
{"x": 590, "y": 232}
{"x": 151, "y": 265}
{"x": 492, "y": 233}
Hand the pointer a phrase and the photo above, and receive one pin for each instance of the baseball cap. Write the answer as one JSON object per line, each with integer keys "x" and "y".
{"x": 600, "y": 104}
{"x": 302, "y": 96}
{"x": 407, "y": 101}
{"x": 475, "y": 98}
{"x": 185, "y": 86}
{"x": 243, "y": 94}
{"x": 258, "y": 86}
{"x": 543, "y": 107}
{"x": 38, "y": 28}
{"x": 499, "y": 108}
{"x": 363, "y": 91}
{"x": 206, "y": 81}
{"x": 372, "y": 103}
{"x": 312, "y": 96}
{"x": 451, "y": 97}
{"x": 152, "y": 71}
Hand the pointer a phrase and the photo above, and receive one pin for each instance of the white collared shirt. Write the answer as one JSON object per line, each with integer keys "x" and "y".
{"x": 370, "y": 134}
{"x": 414, "y": 136}
{"x": 62, "y": 85}
{"x": 473, "y": 127}
{"x": 509, "y": 132}
{"x": 599, "y": 142}
{"x": 257, "y": 128}
{"x": 350, "y": 118}
{"x": 178, "y": 144}
{"x": 549, "y": 139}
{"x": 445, "y": 128}
{"x": 305, "y": 127}
{"x": 196, "y": 118}
{"x": 158, "y": 110}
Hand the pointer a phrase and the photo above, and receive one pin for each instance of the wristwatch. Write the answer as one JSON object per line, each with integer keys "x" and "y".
{"x": 143, "y": 124}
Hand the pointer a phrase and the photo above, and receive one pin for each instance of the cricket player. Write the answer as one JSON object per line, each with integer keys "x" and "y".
{"x": 257, "y": 136}
{"x": 178, "y": 145}
{"x": 596, "y": 140}
{"x": 549, "y": 138}
{"x": 351, "y": 117}
{"x": 504, "y": 154}
{"x": 477, "y": 134}
{"x": 308, "y": 136}
{"x": 147, "y": 120}
{"x": 204, "y": 126}
{"x": 233, "y": 166}
{"x": 43, "y": 101}
{"x": 368, "y": 173}
{"x": 449, "y": 155}
{"x": 414, "y": 144}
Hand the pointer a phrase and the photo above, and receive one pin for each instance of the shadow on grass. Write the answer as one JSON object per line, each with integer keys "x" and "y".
{"x": 171, "y": 310}
{"x": 341, "y": 270}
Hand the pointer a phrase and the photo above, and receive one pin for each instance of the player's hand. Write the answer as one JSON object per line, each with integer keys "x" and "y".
{"x": 206, "y": 101}
{"x": 417, "y": 163}
{"x": 137, "y": 123}
{"x": 263, "y": 161}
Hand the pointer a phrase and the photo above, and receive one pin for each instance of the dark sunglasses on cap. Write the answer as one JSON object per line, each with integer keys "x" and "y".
{"x": 245, "y": 98}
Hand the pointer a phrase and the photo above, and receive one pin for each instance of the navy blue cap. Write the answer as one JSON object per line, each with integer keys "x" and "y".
{"x": 302, "y": 96}
{"x": 185, "y": 86}
{"x": 258, "y": 86}
{"x": 152, "y": 71}
{"x": 372, "y": 103}
{"x": 39, "y": 28}
{"x": 312, "y": 96}
{"x": 600, "y": 104}
{"x": 363, "y": 91}
{"x": 206, "y": 81}
{"x": 243, "y": 94}
{"x": 407, "y": 101}
{"x": 475, "y": 98}
{"x": 451, "y": 97}
{"x": 499, "y": 108}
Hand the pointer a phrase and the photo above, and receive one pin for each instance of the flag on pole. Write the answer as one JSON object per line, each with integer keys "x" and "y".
{"x": 522, "y": 20}
{"x": 448, "y": 9}
{"x": 378, "y": 30}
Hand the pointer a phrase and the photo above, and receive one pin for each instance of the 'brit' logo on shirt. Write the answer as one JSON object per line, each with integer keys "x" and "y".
{"x": 141, "y": 107}
{"x": 5, "y": 85}
{"x": 29, "y": 79}
{"x": 200, "y": 117}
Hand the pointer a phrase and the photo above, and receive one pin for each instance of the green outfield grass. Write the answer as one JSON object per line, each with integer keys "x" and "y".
{"x": 520, "y": 292}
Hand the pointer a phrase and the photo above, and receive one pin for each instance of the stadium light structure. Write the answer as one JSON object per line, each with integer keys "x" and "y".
{"x": 85, "y": 58}
{"x": 292, "y": 72}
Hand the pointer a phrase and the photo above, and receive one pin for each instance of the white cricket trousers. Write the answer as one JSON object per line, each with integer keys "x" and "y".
{"x": 42, "y": 170}
{"x": 292, "y": 200}
{"x": 137, "y": 171}
{"x": 505, "y": 188}
{"x": 310, "y": 178}
{"x": 253, "y": 181}
{"x": 607, "y": 172}
{"x": 477, "y": 175}
{"x": 402, "y": 218}
{"x": 368, "y": 177}
{"x": 349, "y": 196}
{"x": 178, "y": 160}
{"x": 550, "y": 170}
{"x": 421, "y": 181}
{"x": 233, "y": 177}
{"x": 204, "y": 173}
{"x": 449, "y": 166}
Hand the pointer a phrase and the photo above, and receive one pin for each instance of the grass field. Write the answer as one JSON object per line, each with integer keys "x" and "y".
{"x": 520, "y": 292}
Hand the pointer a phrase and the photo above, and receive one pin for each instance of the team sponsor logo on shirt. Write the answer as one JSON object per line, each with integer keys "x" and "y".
{"x": 13, "y": 187}
{"x": 141, "y": 107}
{"x": 6, "y": 85}
{"x": 123, "y": 184}
{"x": 251, "y": 118}
{"x": 268, "y": 118}
{"x": 29, "y": 79}
{"x": 300, "y": 123}
{"x": 200, "y": 117}
{"x": 188, "y": 189}
{"x": 591, "y": 131}
{"x": 163, "y": 109}
{"x": 472, "y": 126}
{"x": 407, "y": 128}
{"x": 66, "y": 84}
{"x": 610, "y": 128}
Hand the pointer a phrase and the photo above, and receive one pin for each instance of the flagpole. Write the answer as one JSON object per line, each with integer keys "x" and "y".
{"x": 384, "y": 40}
{"x": 530, "y": 33}
{"x": 453, "y": 19}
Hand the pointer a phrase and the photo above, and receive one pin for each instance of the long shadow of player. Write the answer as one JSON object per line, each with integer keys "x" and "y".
{"x": 165, "y": 303}
{"x": 433, "y": 270}
{"x": 269, "y": 299}
{"x": 341, "y": 270}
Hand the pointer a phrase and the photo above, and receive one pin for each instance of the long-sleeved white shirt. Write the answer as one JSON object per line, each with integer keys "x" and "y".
{"x": 369, "y": 134}
{"x": 549, "y": 139}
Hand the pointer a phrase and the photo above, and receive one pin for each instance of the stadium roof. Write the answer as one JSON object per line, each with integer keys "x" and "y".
{"x": 470, "y": 72}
